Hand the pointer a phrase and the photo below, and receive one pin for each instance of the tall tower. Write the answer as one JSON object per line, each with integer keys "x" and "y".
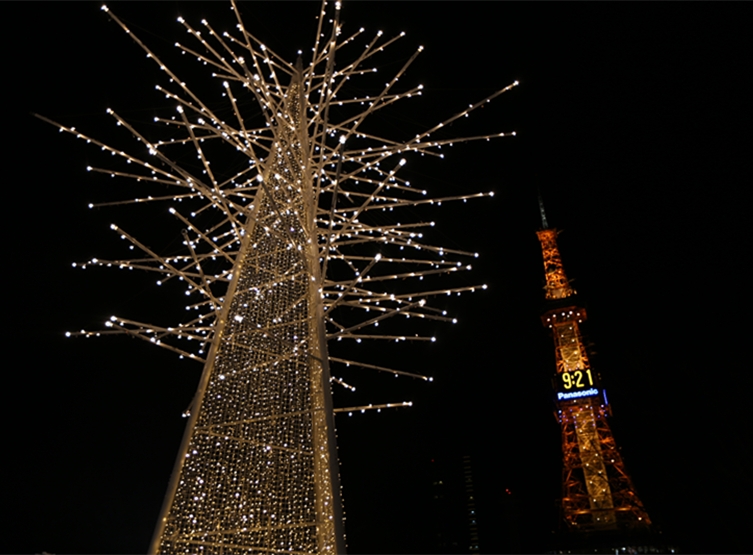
{"x": 597, "y": 493}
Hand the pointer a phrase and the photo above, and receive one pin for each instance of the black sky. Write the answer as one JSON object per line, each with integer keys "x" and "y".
{"x": 634, "y": 121}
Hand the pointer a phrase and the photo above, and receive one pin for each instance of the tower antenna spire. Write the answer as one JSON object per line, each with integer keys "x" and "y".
{"x": 544, "y": 224}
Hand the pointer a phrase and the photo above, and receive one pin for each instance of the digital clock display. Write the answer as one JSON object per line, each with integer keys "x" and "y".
{"x": 576, "y": 384}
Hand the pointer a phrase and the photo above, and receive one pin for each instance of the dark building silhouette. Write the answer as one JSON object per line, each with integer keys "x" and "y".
{"x": 454, "y": 506}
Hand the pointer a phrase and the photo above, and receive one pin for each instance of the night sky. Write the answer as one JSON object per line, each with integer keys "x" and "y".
{"x": 634, "y": 121}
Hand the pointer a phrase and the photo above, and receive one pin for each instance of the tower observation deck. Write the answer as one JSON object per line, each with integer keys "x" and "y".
{"x": 597, "y": 493}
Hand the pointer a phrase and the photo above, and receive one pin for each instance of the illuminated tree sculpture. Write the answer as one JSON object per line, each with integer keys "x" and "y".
{"x": 280, "y": 238}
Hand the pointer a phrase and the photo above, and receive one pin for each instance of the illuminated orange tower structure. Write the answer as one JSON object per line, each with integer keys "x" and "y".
{"x": 597, "y": 493}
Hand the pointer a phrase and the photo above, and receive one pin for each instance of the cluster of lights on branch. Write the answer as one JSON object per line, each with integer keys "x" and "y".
{"x": 289, "y": 240}
{"x": 339, "y": 175}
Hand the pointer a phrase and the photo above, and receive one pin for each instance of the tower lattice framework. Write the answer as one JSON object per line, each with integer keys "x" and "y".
{"x": 597, "y": 493}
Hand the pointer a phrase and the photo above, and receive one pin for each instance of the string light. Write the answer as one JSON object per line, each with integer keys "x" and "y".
{"x": 279, "y": 255}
